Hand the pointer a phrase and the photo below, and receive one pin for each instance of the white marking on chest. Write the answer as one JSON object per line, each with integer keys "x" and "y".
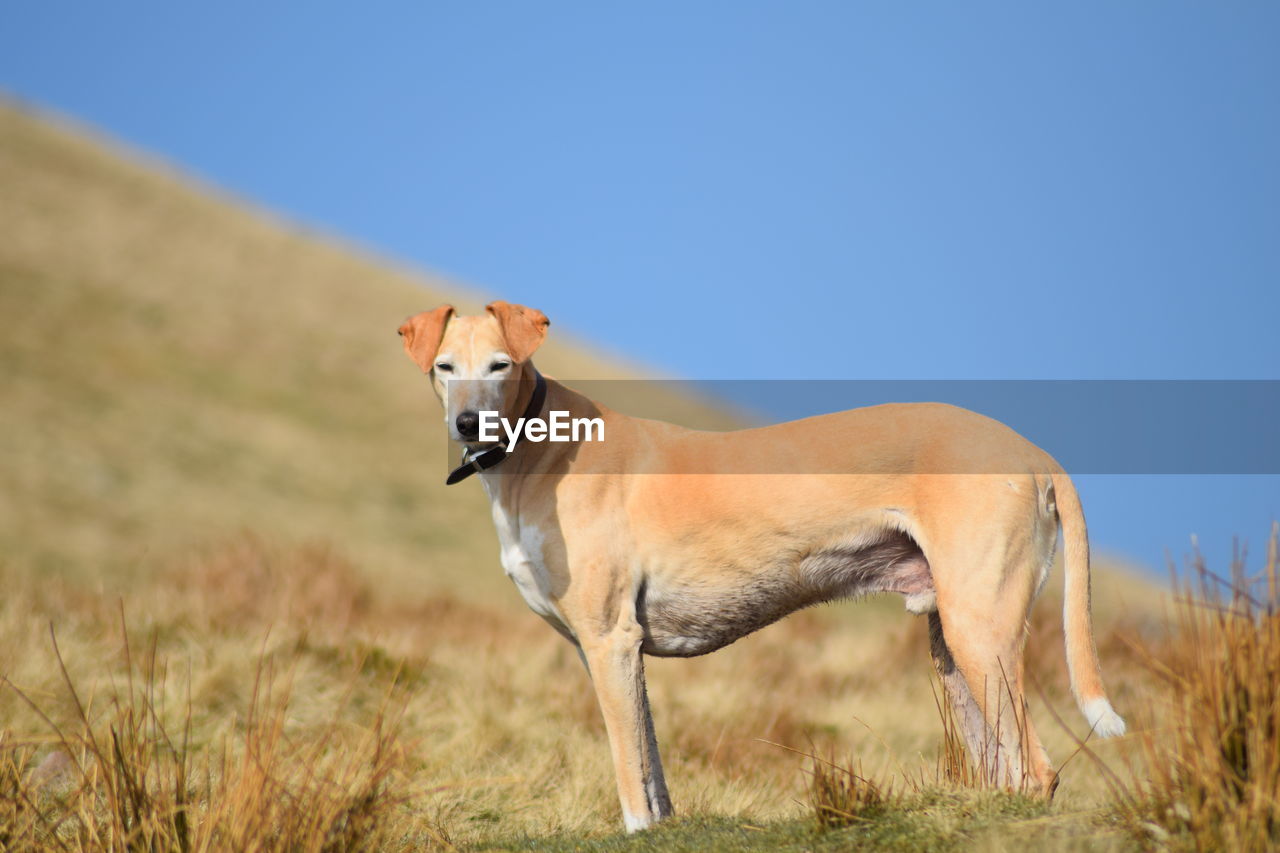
{"x": 523, "y": 560}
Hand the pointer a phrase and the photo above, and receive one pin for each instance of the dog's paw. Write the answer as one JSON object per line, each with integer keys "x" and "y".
{"x": 1103, "y": 719}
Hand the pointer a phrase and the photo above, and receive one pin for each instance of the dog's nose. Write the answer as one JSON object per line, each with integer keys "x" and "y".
{"x": 468, "y": 425}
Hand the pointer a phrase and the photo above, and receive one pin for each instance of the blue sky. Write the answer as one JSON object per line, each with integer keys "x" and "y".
{"x": 752, "y": 190}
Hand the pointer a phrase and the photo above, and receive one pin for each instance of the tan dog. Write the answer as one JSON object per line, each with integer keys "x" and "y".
{"x": 628, "y": 547}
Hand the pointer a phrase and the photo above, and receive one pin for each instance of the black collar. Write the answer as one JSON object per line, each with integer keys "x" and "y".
{"x": 483, "y": 460}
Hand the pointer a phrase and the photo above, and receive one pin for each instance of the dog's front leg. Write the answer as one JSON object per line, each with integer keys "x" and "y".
{"x": 617, "y": 671}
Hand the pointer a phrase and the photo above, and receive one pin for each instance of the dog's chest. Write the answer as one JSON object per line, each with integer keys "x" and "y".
{"x": 524, "y": 562}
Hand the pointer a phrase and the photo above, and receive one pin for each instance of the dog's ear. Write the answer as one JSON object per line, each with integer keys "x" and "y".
{"x": 422, "y": 334}
{"x": 524, "y": 329}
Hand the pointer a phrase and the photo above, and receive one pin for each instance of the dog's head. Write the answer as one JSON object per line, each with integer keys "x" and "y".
{"x": 478, "y": 363}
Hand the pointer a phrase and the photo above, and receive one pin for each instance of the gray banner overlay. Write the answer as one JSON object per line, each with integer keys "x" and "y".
{"x": 1089, "y": 426}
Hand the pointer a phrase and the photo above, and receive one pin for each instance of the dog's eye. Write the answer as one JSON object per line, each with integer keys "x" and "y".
{"x": 444, "y": 367}
{"x": 499, "y": 365}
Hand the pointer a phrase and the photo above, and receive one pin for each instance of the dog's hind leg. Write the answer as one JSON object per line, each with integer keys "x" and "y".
{"x": 967, "y": 714}
{"x": 981, "y": 627}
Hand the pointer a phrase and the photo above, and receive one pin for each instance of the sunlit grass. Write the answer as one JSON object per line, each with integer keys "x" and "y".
{"x": 1208, "y": 777}
{"x": 484, "y": 720}
{"x": 356, "y": 672}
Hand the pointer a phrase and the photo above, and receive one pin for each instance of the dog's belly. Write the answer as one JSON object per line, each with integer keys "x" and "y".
{"x": 687, "y": 615}
{"x": 687, "y": 620}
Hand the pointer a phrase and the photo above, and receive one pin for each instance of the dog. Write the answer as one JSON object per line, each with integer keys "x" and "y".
{"x": 665, "y": 541}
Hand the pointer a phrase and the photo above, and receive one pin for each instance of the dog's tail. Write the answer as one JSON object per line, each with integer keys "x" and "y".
{"x": 1082, "y": 654}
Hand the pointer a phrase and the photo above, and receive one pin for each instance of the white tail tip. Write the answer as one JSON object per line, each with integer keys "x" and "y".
{"x": 1103, "y": 719}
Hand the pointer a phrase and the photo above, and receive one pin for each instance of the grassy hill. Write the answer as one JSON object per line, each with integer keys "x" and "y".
{"x": 178, "y": 367}
{"x": 211, "y": 433}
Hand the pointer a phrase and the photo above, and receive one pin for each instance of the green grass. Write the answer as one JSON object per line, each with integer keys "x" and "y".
{"x": 930, "y": 821}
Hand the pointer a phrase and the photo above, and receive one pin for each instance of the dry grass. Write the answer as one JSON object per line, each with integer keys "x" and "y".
{"x": 270, "y": 668}
{"x": 1208, "y": 777}
{"x": 130, "y": 758}
{"x": 841, "y": 795}
{"x": 125, "y": 780}
{"x": 182, "y": 371}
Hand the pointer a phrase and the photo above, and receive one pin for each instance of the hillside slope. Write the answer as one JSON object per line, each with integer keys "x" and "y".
{"x": 178, "y": 368}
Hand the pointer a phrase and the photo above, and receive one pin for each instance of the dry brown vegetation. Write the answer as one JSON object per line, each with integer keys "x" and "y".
{"x": 1208, "y": 774}
{"x": 250, "y": 669}
{"x": 355, "y": 672}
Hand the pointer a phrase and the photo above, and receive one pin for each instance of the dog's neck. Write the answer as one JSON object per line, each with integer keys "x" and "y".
{"x": 533, "y": 465}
